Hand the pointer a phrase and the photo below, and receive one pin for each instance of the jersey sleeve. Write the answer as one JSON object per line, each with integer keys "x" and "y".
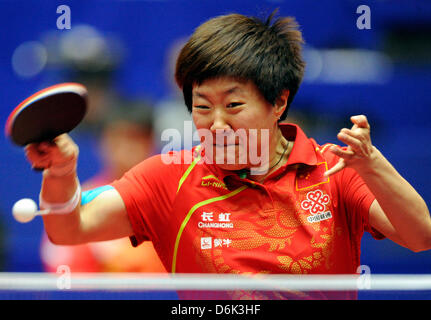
{"x": 358, "y": 199}
{"x": 148, "y": 191}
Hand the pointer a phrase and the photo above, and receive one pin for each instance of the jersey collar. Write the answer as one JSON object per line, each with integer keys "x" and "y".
{"x": 303, "y": 151}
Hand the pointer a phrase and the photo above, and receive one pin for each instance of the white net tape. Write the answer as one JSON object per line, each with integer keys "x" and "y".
{"x": 212, "y": 282}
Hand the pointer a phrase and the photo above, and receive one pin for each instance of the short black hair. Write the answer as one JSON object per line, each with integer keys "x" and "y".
{"x": 245, "y": 48}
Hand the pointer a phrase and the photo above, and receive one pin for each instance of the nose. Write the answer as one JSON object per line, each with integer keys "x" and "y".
{"x": 220, "y": 122}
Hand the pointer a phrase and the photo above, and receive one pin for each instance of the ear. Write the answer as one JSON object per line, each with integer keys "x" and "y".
{"x": 281, "y": 103}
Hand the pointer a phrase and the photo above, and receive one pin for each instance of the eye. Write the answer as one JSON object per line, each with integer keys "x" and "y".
{"x": 234, "y": 104}
{"x": 201, "y": 107}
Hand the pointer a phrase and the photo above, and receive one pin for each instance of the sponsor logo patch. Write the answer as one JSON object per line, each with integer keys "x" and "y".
{"x": 315, "y": 203}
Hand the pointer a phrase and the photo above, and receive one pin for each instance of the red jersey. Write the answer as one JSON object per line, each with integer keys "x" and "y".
{"x": 203, "y": 219}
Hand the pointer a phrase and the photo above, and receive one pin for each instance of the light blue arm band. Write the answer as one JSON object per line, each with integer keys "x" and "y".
{"x": 89, "y": 195}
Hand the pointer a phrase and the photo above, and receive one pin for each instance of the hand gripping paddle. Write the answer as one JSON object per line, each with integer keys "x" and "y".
{"x": 47, "y": 114}
{"x": 42, "y": 117}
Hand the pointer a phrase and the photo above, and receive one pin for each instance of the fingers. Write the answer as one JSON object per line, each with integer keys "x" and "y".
{"x": 38, "y": 154}
{"x": 47, "y": 154}
{"x": 358, "y": 137}
{"x": 340, "y": 165}
{"x": 360, "y": 121}
{"x": 359, "y": 151}
{"x": 342, "y": 153}
{"x": 355, "y": 140}
{"x": 66, "y": 149}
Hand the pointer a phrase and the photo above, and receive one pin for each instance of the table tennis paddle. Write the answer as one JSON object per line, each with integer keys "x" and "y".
{"x": 47, "y": 114}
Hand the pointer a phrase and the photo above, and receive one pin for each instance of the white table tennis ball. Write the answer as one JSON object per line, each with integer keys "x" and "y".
{"x": 24, "y": 210}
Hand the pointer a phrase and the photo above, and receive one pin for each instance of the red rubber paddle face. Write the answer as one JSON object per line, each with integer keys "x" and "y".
{"x": 47, "y": 114}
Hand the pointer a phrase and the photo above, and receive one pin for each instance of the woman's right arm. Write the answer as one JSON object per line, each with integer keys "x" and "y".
{"x": 104, "y": 218}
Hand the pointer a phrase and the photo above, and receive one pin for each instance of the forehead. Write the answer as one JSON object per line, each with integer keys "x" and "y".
{"x": 224, "y": 86}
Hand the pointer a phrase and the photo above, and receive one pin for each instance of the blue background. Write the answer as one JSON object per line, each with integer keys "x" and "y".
{"x": 398, "y": 107}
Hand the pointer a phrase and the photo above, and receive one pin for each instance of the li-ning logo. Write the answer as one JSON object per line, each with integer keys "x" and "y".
{"x": 316, "y": 204}
{"x": 212, "y": 181}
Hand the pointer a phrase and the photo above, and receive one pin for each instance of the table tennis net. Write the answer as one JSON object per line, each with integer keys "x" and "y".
{"x": 138, "y": 286}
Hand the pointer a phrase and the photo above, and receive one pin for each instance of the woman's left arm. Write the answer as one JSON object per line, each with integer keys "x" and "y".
{"x": 399, "y": 212}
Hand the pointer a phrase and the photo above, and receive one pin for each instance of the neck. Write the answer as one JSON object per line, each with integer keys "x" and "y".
{"x": 281, "y": 149}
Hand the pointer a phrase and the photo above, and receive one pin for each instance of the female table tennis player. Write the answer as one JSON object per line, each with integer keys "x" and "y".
{"x": 305, "y": 212}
